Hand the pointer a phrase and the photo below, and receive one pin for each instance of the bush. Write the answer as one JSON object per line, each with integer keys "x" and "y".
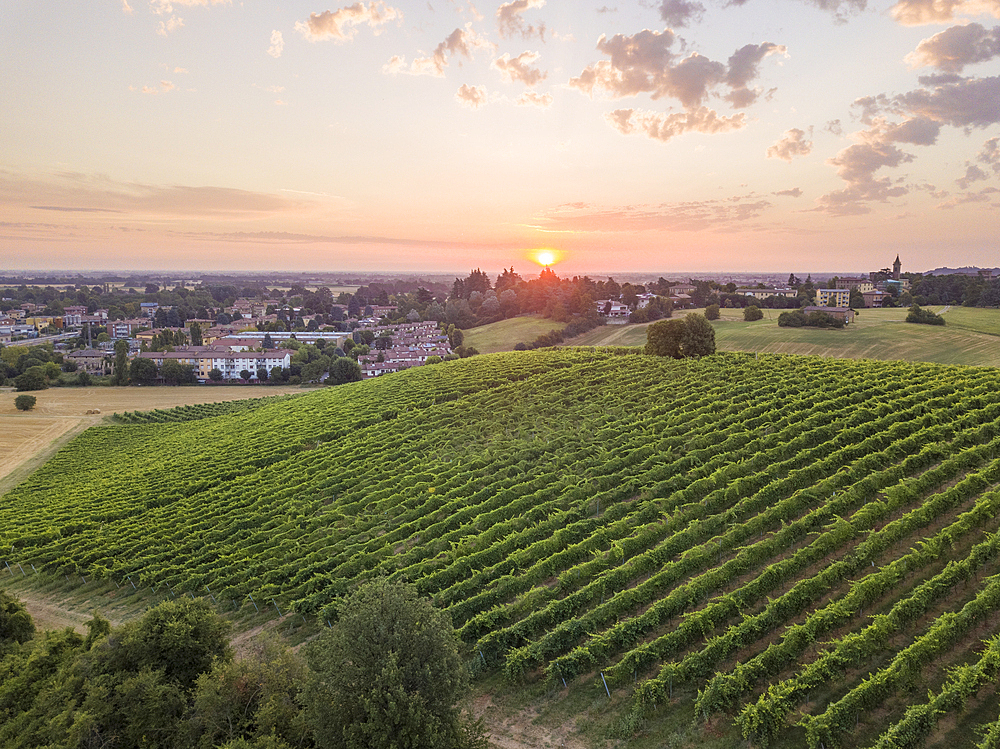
{"x": 752, "y": 313}
{"x": 923, "y": 316}
{"x": 24, "y": 402}
{"x": 712, "y": 312}
{"x": 800, "y": 319}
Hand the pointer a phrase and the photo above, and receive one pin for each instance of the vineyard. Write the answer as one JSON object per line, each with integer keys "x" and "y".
{"x": 801, "y": 550}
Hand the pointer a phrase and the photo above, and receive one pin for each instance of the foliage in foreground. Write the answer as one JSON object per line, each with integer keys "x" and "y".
{"x": 387, "y": 675}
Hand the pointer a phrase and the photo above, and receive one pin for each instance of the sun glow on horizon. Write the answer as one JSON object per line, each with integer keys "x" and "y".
{"x": 544, "y": 257}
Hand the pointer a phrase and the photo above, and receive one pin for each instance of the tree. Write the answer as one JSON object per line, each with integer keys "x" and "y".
{"x": 142, "y": 371}
{"x": 32, "y": 378}
{"x": 121, "y": 362}
{"x": 261, "y": 374}
{"x": 691, "y": 335}
{"x": 175, "y": 373}
{"x": 24, "y": 402}
{"x": 196, "y": 337}
{"x": 16, "y": 625}
{"x": 387, "y": 675}
{"x": 664, "y": 338}
{"x": 245, "y": 375}
{"x": 215, "y": 375}
{"x": 712, "y": 312}
{"x": 343, "y": 369}
{"x": 752, "y": 313}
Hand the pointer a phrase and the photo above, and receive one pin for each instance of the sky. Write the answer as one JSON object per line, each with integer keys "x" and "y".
{"x": 443, "y": 135}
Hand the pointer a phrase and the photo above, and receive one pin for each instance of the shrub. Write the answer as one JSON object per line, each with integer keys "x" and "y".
{"x": 752, "y": 313}
{"x": 923, "y": 316}
{"x": 24, "y": 402}
{"x": 712, "y": 312}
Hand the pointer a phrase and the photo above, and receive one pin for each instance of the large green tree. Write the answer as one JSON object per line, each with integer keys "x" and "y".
{"x": 691, "y": 335}
{"x": 343, "y": 369}
{"x": 388, "y": 675}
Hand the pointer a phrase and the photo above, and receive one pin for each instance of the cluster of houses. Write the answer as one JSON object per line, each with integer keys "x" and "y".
{"x": 238, "y": 350}
{"x": 615, "y": 311}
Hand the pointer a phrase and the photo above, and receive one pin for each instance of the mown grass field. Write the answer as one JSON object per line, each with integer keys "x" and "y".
{"x": 971, "y": 336}
{"x": 504, "y": 335}
{"x": 782, "y": 550}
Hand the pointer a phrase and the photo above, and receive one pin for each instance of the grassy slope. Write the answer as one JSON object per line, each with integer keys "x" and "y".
{"x": 504, "y": 335}
{"x": 509, "y": 486}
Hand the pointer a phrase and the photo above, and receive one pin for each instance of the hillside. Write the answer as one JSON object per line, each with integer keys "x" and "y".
{"x": 788, "y": 549}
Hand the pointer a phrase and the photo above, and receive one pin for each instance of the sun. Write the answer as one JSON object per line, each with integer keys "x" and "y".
{"x": 545, "y": 257}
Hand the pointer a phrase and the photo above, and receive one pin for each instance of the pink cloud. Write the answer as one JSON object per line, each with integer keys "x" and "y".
{"x": 951, "y": 50}
{"x": 472, "y": 97}
{"x": 518, "y": 69}
{"x": 510, "y": 21}
{"x": 793, "y": 144}
{"x": 337, "y": 24}
{"x": 663, "y": 127}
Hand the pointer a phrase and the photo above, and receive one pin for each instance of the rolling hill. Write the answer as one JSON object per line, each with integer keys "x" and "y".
{"x": 785, "y": 550}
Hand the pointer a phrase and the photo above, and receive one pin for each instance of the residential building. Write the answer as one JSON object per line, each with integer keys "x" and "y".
{"x": 874, "y": 298}
{"x": 861, "y": 284}
{"x": 766, "y": 293}
{"x": 833, "y": 297}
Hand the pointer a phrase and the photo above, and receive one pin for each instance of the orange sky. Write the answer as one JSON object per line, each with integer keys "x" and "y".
{"x": 677, "y": 135}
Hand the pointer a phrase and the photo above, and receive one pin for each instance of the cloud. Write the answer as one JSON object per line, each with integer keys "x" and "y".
{"x": 794, "y": 192}
{"x": 645, "y": 63}
{"x": 953, "y": 49}
{"x": 72, "y": 209}
{"x": 459, "y": 42}
{"x": 472, "y": 97}
{"x": 510, "y": 22}
{"x": 533, "y": 99}
{"x": 967, "y": 103}
{"x": 663, "y": 127}
{"x": 335, "y": 24}
{"x": 677, "y": 13}
{"x": 518, "y": 69}
{"x": 277, "y": 44}
{"x": 983, "y": 196}
{"x": 606, "y": 9}
{"x": 972, "y": 174}
{"x": 88, "y": 193}
{"x": 183, "y": 71}
{"x": 166, "y": 7}
{"x": 719, "y": 215}
{"x": 990, "y": 154}
{"x": 171, "y": 24}
{"x": 856, "y": 165}
{"x": 744, "y": 67}
{"x": 165, "y": 86}
{"x": 126, "y": 8}
{"x": 947, "y": 99}
{"x": 791, "y": 145}
{"x": 834, "y": 127}
{"x": 921, "y": 12}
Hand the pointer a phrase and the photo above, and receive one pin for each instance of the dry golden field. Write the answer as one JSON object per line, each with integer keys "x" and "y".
{"x": 27, "y": 439}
